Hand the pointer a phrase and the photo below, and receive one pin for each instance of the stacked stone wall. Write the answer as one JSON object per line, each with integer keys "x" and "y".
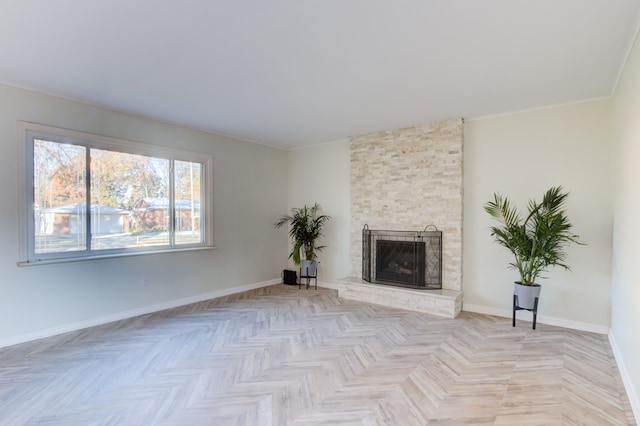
{"x": 407, "y": 179}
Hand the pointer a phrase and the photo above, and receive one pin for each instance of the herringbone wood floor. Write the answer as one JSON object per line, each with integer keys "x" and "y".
{"x": 280, "y": 355}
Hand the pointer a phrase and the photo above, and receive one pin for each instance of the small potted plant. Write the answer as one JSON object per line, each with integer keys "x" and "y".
{"x": 306, "y": 228}
{"x": 537, "y": 241}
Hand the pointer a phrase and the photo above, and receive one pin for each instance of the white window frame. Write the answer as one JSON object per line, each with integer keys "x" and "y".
{"x": 28, "y": 131}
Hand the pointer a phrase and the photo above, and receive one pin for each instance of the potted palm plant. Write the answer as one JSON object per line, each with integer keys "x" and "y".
{"x": 537, "y": 241}
{"x": 306, "y": 228}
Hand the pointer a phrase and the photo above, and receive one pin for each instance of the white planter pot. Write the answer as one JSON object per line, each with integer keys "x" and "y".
{"x": 308, "y": 268}
{"x": 526, "y": 294}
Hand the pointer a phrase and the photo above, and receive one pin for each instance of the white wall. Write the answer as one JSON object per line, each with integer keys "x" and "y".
{"x": 522, "y": 155}
{"x": 321, "y": 174}
{"x": 250, "y": 190}
{"x": 625, "y": 295}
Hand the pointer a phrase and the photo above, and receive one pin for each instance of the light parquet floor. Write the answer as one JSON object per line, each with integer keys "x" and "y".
{"x": 283, "y": 356}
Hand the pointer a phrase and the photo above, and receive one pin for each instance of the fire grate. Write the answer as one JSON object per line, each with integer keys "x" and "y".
{"x": 403, "y": 258}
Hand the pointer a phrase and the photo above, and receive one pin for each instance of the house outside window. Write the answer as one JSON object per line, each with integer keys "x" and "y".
{"x": 86, "y": 196}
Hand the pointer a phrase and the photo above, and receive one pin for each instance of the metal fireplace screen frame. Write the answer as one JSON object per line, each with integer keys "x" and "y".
{"x": 420, "y": 251}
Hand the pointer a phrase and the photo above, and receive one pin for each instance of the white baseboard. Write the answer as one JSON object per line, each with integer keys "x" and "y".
{"x": 542, "y": 319}
{"x": 65, "y": 328}
{"x": 628, "y": 384}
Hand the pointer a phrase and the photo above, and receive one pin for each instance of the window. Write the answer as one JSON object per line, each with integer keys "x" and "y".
{"x": 87, "y": 196}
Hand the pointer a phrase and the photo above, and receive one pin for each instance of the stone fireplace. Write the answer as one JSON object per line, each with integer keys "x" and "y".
{"x": 401, "y": 180}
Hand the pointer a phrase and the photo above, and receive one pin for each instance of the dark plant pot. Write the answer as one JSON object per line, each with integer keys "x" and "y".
{"x": 526, "y": 294}
{"x": 308, "y": 268}
{"x": 290, "y": 277}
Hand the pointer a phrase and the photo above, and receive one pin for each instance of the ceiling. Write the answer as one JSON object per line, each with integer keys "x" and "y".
{"x": 293, "y": 73}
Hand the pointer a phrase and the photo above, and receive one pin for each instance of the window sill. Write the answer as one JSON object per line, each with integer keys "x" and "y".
{"x": 111, "y": 256}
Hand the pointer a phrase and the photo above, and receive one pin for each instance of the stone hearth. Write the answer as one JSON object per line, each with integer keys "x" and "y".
{"x": 444, "y": 303}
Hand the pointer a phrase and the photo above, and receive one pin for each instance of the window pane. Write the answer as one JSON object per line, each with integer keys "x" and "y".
{"x": 130, "y": 200}
{"x": 59, "y": 196}
{"x": 90, "y": 196}
{"x": 187, "y": 180}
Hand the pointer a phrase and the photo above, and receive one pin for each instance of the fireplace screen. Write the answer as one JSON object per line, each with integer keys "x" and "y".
{"x": 402, "y": 258}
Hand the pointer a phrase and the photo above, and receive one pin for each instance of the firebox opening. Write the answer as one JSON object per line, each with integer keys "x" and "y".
{"x": 403, "y": 258}
{"x": 400, "y": 262}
